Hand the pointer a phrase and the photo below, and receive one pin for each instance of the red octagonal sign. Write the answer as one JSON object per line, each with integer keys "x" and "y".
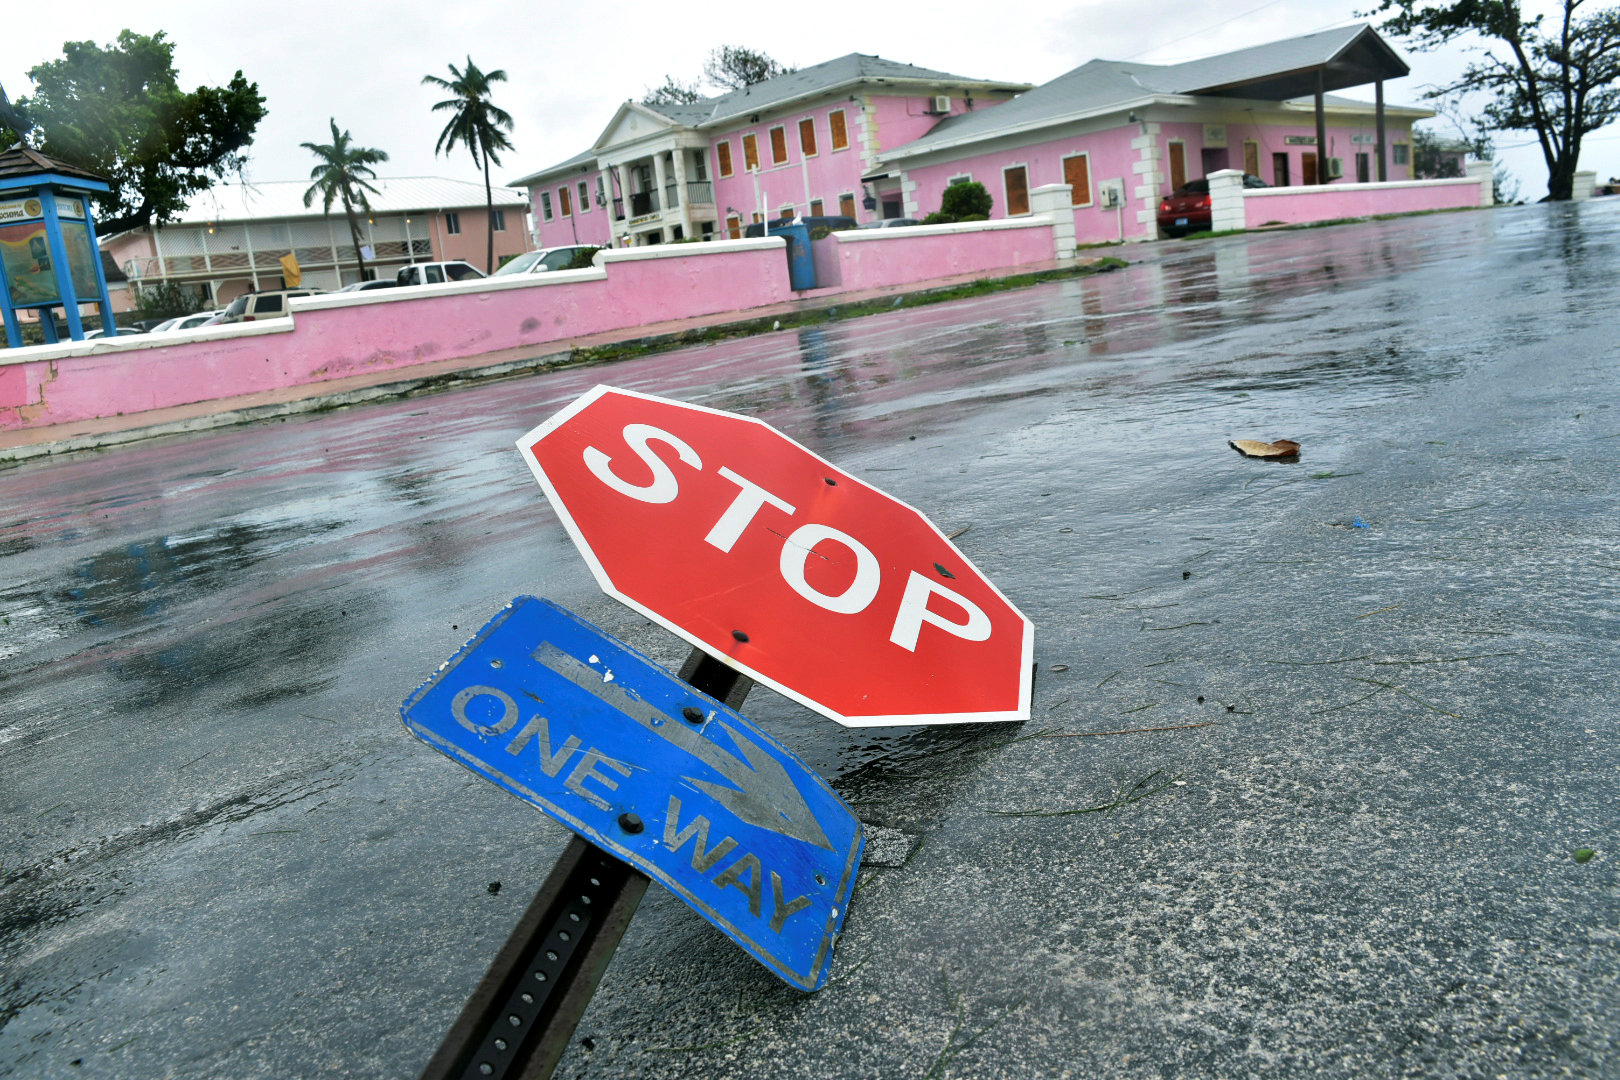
{"x": 802, "y": 577}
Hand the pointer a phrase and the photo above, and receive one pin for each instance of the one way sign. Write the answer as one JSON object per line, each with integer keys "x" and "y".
{"x": 646, "y": 767}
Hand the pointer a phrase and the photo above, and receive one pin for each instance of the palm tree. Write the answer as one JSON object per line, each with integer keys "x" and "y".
{"x": 342, "y": 174}
{"x": 477, "y": 124}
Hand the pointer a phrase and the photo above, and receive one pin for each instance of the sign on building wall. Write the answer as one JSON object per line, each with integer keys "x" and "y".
{"x": 1362, "y": 138}
{"x": 1215, "y": 136}
{"x": 1299, "y": 140}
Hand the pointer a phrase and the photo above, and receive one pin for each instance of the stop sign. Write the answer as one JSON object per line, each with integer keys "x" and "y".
{"x": 795, "y": 573}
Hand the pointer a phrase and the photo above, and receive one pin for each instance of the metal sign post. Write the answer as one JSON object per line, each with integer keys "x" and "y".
{"x": 660, "y": 778}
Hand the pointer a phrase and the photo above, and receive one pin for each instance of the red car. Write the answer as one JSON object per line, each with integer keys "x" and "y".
{"x": 1186, "y": 210}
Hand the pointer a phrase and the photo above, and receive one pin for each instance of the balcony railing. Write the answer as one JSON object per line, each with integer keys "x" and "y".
{"x": 235, "y": 263}
{"x": 699, "y": 192}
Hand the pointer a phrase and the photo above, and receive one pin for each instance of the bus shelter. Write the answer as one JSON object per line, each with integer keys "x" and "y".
{"x": 49, "y": 258}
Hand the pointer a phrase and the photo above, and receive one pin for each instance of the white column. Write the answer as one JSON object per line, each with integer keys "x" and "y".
{"x": 624, "y": 188}
{"x": 1585, "y": 184}
{"x": 660, "y": 182}
{"x": 1056, "y": 202}
{"x": 680, "y": 190}
{"x": 1484, "y": 173}
{"x": 1149, "y": 179}
{"x": 1226, "y": 200}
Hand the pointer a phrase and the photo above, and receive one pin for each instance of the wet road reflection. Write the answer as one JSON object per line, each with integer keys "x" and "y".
{"x": 204, "y": 639}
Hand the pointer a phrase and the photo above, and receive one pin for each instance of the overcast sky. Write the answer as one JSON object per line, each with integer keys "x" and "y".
{"x": 569, "y": 66}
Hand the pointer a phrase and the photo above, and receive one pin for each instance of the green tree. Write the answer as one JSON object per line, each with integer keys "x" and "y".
{"x": 477, "y": 124}
{"x": 732, "y": 67}
{"x": 119, "y": 112}
{"x": 967, "y": 201}
{"x": 13, "y": 124}
{"x": 343, "y": 173}
{"x": 673, "y": 92}
{"x": 1557, "y": 80}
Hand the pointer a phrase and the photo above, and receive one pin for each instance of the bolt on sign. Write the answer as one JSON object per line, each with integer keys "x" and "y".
{"x": 654, "y": 772}
{"x": 761, "y": 553}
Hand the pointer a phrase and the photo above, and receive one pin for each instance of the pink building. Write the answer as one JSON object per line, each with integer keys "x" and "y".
{"x": 231, "y": 238}
{"x": 798, "y": 144}
{"x": 870, "y": 139}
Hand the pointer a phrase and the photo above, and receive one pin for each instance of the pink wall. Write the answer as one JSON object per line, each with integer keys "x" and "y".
{"x": 471, "y": 244}
{"x": 338, "y": 335}
{"x": 1110, "y": 156}
{"x": 1272, "y": 139}
{"x": 878, "y": 257}
{"x": 592, "y": 225}
{"x": 333, "y": 336}
{"x": 1293, "y": 206}
{"x": 900, "y": 120}
{"x": 828, "y": 174}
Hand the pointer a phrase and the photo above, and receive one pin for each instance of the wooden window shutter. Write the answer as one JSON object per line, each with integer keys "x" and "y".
{"x": 1251, "y": 158}
{"x": 778, "y": 146}
{"x": 1077, "y": 174}
{"x": 1017, "y": 181}
{"x": 723, "y": 152}
{"x": 840, "y": 135}
{"x": 1178, "y": 166}
{"x": 734, "y": 227}
{"x": 846, "y": 205}
{"x": 565, "y": 201}
{"x": 807, "y": 137}
{"x": 817, "y": 208}
{"x": 750, "y": 152}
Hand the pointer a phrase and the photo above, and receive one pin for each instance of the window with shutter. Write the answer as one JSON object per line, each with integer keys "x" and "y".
{"x": 778, "y": 146}
{"x": 750, "y": 152}
{"x": 807, "y": 137}
{"x": 840, "y": 135}
{"x": 723, "y": 153}
{"x": 1016, "y": 181}
{"x": 1077, "y": 174}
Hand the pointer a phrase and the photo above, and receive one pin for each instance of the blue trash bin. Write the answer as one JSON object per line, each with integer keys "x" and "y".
{"x": 801, "y": 266}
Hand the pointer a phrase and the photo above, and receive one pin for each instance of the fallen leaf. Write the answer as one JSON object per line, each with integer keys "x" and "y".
{"x": 1282, "y": 448}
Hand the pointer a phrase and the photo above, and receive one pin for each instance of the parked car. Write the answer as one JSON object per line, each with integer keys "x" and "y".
{"x": 830, "y": 222}
{"x": 890, "y": 223}
{"x": 202, "y": 318}
{"x": 368, "y": 286}
{"x": 1186, "y": 210}
{"x": 123, "y": 331}
{"x": 546, "y": 259}
{"x": 436, "y": 273}
{"x": 253, "y": 306}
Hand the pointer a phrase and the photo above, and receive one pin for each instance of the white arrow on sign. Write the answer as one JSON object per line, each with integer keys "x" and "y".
{"x": 762, "y": 793}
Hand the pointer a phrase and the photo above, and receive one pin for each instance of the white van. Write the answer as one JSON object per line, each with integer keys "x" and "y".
{"x": 436, "y": 273}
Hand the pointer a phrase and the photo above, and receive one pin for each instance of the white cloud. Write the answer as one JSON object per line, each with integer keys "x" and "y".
{"x": 570, "y": 65}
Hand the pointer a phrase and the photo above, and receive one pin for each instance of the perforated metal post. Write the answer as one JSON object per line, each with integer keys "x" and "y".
{"x": 518, "y": 1022}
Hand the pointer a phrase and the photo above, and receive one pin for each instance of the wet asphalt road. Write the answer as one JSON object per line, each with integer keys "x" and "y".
{"x": 222, "y": 854}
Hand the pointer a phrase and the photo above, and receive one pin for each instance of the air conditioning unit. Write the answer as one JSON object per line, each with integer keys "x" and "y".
{"x": 1335, "y": 167}
{"x": 941, "y": 105}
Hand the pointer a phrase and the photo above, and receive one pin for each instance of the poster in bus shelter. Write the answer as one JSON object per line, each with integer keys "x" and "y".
{"x": 26, "y": 255}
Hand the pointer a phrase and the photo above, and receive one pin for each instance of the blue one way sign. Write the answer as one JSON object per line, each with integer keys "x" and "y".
{"x": 643, "y": 765}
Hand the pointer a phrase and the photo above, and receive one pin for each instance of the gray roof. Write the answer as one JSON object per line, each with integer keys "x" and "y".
{"x": 1350, "y": 53}
{"x": 1350, "y": 56}
{"x": 586, "y": 158}
{"x": 686, "y": 115}
{"x": 818, "y": 79}
{"x": 283, "y": 199}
